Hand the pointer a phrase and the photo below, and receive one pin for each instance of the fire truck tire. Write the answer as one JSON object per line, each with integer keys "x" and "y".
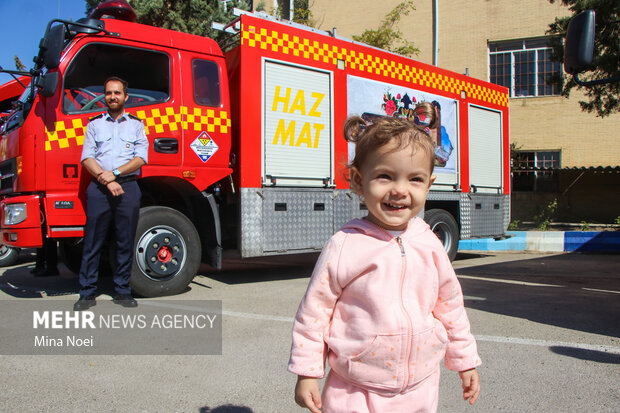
{"x": 8, "y": 255}
{"x": 167, "y": 252}
{"x": 442, "y": 223}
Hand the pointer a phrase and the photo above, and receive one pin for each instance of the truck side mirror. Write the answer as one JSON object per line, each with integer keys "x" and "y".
{"x": 51, "y": 45}
{"x": 579, "y": 46}
{"x": 47, "y": 84}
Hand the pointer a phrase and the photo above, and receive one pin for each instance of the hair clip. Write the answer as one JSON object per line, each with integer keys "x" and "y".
{"x": 421, "y": 119}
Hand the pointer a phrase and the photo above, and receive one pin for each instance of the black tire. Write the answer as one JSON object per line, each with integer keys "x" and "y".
{"x": 8, "y": 255}
{"x": 167, "y": 252}
{"x": 442, "y": 223}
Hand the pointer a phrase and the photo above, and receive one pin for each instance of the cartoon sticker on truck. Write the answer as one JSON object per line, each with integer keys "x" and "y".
{"x": 370, "y": 98}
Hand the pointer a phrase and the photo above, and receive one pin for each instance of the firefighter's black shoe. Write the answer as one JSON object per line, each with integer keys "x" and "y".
{"x": 84, "y": 303}
{"x": 126, "y": 300}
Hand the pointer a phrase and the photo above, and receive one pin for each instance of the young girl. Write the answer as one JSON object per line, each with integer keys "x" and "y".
{"x": 383, "y": 305}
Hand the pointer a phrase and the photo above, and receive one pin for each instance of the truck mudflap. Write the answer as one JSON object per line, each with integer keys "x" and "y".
{"x": 21, "y": 221}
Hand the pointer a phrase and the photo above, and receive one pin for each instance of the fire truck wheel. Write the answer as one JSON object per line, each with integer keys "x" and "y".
{"x": 444, "y": 226}
{"x": 8, "y": 255}
{"x": 167, "y": 252}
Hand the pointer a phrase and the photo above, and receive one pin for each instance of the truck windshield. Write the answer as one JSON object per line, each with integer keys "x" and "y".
{"x": 146, "y": 71}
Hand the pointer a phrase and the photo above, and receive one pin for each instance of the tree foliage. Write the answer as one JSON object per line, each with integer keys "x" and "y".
{"x": 189, "y": 16}
{"x": 387, "y": 36}
{"x": 19, "y": 65}
{"x": 601, "y": 99}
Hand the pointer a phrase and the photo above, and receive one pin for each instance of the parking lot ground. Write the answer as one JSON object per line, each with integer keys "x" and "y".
{"x": 547, "y": 329}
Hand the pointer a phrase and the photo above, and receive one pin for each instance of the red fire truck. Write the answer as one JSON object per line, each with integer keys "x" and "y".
{"x": 246, "y": 147}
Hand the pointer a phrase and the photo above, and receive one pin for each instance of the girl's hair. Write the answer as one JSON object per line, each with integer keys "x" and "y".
{"x": 425, "y": 115}
{"x": 369, "y": 137}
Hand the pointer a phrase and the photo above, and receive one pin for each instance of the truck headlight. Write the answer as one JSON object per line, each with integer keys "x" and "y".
{"x": 15, "y": 213}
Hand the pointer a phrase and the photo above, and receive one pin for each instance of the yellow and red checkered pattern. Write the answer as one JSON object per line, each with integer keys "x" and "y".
{"x": 68, "y": 133}
{"x": 366, "y": 62}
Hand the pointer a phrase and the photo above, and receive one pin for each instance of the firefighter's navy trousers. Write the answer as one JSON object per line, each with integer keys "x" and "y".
{"x": 103, "y": 210}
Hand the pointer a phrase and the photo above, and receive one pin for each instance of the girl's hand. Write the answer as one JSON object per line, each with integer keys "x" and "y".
{"x": 307, "y": 393}
{"x": 471, "y": 385}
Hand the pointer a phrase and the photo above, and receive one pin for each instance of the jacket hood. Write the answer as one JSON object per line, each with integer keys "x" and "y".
{"x": 415, "y": 227}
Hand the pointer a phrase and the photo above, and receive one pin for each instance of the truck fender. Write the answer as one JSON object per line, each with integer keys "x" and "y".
{"x": 213, "y": 239}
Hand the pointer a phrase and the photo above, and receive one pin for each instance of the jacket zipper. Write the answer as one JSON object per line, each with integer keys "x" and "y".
{"x": 407, "y": 317}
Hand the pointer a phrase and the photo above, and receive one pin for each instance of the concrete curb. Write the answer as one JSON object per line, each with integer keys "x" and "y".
{"x": 548, "y": 241}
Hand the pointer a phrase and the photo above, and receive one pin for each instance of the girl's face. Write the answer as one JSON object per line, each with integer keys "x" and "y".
{"x": 394, "y": 184}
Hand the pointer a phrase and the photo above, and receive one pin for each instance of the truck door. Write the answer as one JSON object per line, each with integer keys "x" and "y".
{"x": 206, "y": 112}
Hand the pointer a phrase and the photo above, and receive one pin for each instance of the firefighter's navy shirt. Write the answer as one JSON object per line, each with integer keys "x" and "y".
{"x": 113, "y": 143}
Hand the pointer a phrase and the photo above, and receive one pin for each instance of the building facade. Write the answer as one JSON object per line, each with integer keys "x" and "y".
{"x": 562, "y": 154}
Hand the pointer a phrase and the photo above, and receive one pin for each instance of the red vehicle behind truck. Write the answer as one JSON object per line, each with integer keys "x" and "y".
{"x": 246, "y": 147}
{"x": 9, "y": 93}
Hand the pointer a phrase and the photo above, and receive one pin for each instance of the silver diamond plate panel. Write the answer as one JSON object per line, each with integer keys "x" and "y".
{"x": 295, "y": 219}
{"x": 289, "y": 220}
{"x": 506, "y": 211}
{"x": 251, "y": 222}
{"x": 465, "y": 211}
{"x": 347, "y": 205}
{"x": 443, "y": 196}
{"x": 488, "y": 214}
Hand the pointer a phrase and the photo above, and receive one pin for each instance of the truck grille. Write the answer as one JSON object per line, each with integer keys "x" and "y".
{"x": 8, "y": 174}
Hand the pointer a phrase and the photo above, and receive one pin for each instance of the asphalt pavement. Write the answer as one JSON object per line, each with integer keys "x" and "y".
{"x": 546, "y": 324}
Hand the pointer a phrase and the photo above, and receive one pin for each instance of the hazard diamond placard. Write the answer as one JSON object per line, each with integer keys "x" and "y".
{"x": 204, "y": 146}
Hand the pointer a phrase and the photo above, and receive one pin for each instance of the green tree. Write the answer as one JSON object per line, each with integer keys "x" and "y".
{"x": 387, "y": 36}
{"x": 19, "y": 65}
{"x": 190, "y": 16}
{"x": 601, "y": 99}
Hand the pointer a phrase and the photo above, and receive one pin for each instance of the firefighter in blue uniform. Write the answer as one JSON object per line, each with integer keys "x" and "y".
{"x": 115, "y": 148}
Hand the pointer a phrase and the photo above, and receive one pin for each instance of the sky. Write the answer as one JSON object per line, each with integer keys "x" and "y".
{"x": 23, "y": 24}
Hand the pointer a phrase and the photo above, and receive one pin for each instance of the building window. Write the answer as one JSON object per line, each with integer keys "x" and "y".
{"x": 535, "y": 171}
{"x": 524, "y": 67}
{"x": 229, "y": 3}
{"x": 285, "y": 9}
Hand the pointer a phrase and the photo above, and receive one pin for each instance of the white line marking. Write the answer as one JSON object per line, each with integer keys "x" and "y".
{"x": 259, "y": 316}
{"x": 472, "y": 298}
{"x": 470, "y": 277}
{"x": 601, "y": 291}
{"x": 547, "y": 343}
{"x": 493, "y": 339}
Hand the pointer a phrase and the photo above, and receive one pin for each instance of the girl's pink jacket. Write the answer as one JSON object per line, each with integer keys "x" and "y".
{"x": 383, "y": 310}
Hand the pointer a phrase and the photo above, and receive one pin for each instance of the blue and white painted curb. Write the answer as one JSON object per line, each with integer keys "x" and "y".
{"x": 548, "y": 241}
